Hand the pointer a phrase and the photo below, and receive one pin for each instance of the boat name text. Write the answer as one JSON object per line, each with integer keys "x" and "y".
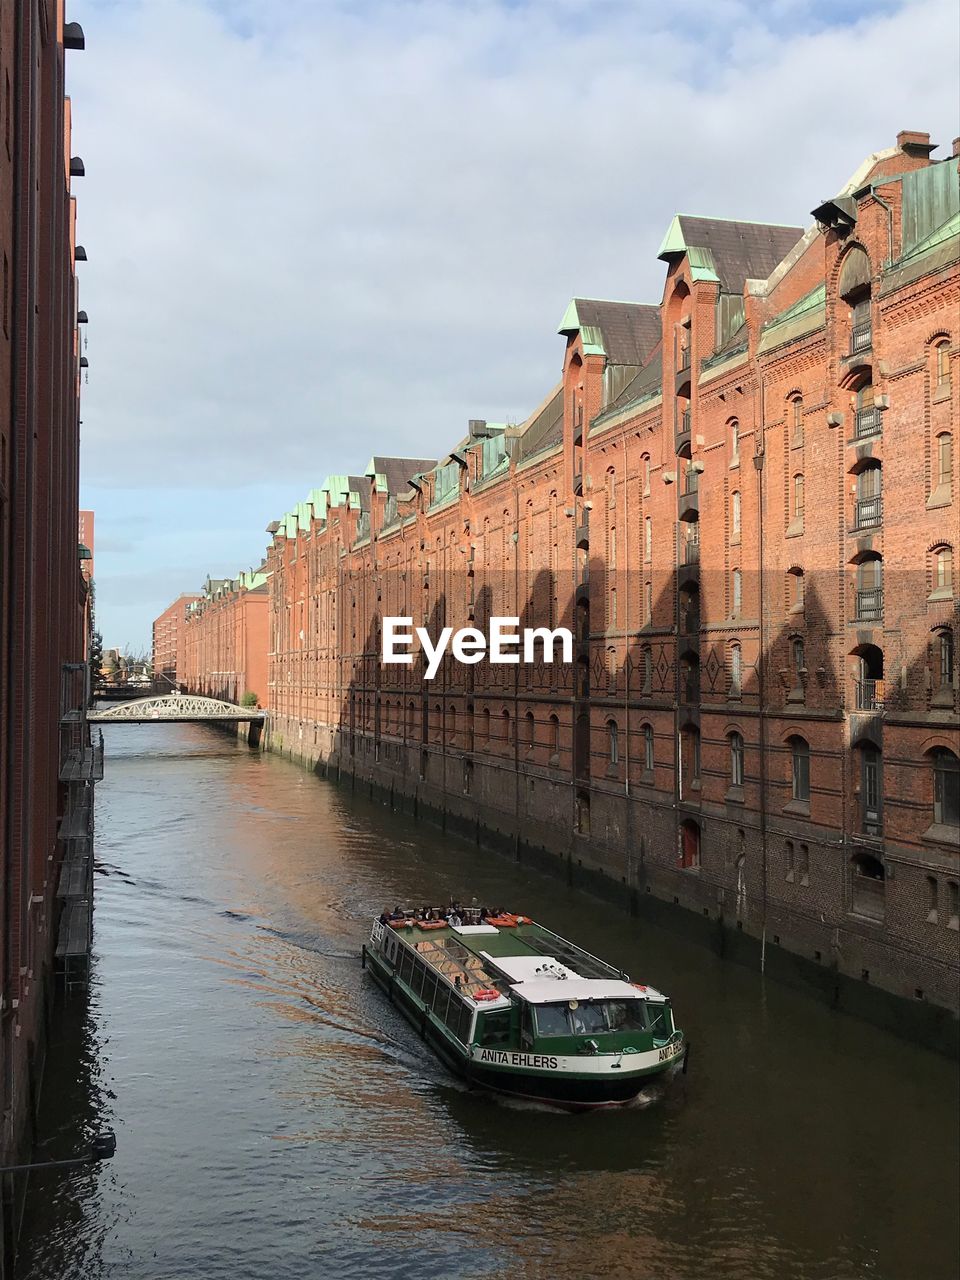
{"x": 503, "y": 1059}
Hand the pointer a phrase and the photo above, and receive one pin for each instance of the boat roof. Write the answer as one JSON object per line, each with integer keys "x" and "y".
{"x": 551, "y": 990}
{"x": 537, "y": 965}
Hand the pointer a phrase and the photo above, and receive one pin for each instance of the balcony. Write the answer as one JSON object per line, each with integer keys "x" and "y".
{"x": 689, "y": 504}
{"x": 84, "y": 764}
{"x": 868, "y": 513}
{"x": 870, "y": 695}
{"x": 866, "y": 422}
{"x": 682, "y": 431}
{"x": 870, "y": 605}
{"x": 861, "y": 337}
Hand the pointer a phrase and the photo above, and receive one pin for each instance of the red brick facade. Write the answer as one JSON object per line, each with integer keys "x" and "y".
{"x": 169, "y": 642}
{"x": 222, "y": 640}
{"x": 743, "y": 502}
{"x": 43, "y": 596}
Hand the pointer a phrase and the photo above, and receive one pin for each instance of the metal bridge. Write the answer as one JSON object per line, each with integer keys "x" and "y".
{"x": 176, "y": 707}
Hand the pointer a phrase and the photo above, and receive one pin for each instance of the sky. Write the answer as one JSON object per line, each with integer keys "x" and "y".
{"x": 322, "y": 229}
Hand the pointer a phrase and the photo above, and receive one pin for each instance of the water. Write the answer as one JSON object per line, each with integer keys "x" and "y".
{"x": 276, "y": 1118}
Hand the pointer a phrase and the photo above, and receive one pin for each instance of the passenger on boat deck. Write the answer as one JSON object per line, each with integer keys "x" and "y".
{"x": 396, "y": 914}
{"x": 384, "y": 918}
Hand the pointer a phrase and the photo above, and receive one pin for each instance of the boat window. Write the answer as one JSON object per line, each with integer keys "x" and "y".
{"x": 440, "y": 1001}
{"x": 429, "y": 989}
{"x": 660, "y": 1022}
{"x": 494, "y": 1028}
{"x": 591, "y": 1017}
{"x": 419, "y": 973}
{"x": 625, "y": 1015}
{"x": 406, "y": 966}
{"x": 587, "y": 1019}
{"x": 552, "y": 1020}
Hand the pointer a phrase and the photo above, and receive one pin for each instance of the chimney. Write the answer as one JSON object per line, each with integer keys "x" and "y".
{"x": 912, "y": 143}
{"x": 477, "y": 428}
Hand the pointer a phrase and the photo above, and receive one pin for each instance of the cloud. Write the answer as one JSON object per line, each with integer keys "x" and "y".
{"x": 317, "y": 230}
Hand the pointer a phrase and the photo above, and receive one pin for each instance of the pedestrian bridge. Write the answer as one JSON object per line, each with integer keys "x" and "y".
{"x": 176, "y": 707}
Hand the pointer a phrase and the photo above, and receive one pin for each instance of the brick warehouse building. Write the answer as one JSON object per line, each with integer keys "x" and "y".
{"x": 47, "y": 765}
{"x": 742, "y": 501}
{"x": 224, "y": 639}
{"x": 169, "y": 666}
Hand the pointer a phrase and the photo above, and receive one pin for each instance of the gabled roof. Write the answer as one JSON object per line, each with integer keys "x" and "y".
{"x": 360, "y": 485}
{"x": 624, "y": 332}
{"x": 393, "y": 475}
{"x": 727, "y": 251}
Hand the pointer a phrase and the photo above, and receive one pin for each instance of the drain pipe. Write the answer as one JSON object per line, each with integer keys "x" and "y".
{"x": 758, "y": 458}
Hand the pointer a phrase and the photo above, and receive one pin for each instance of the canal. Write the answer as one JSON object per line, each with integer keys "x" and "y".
{"x": 276, "y": 1118}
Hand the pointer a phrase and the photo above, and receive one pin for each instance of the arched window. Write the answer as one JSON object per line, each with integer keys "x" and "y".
{"x": 734, "y": 441}
{"x": 735, "y": 513}
{"x": 613, "y": 741}
{"x": 485, "y": 724}
{"x": 798, "y": 656}
{"x": 943, "y": 570}
{"x": 648, "y": 748}
{"x": 613, "y": 607}
{"x": 795, "y": 590}
{"x": 452, "y": 722}
{"x": 945, "y": 459}
{"x": 646, "y": 473}
{"x": 647, "y": 538}
{"x": 736, "y": 591}
{"x": 505, "y": 724}
{"x": 800, "y": 769}
{"x": 611, "y": 487}
{"x": 796, "y": 419}
{"x": 736, "y": 759}
{"x": 554, "y": 736}
{"x": 648, "y": 602}
{"x": 942, "y": 355}
{"x": 944, "y": 658}
{"x": 798, "y": 499}
{"x": 530, "y": 729}
{"x": 736, "y": 671}
{"x": 946, "y": 788}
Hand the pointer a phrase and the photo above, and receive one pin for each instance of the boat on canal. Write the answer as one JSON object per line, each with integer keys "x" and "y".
{"x": 513, "y": 1007}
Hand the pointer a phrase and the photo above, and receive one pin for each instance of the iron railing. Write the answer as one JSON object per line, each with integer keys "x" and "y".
{"x": 870, "y": 605}
{"x": 869, "y": 512}
{"x": 869, "y": 695}
{"x": 866, "y": 422}
{"x": 861, "y": 337}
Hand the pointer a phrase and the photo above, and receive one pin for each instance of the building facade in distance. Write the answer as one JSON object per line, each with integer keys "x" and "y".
{"x": 223, "y": 639}
{"x": 742, "y": 501}
{"x": 169, "y": 648}
{"x": 47, "y": 763}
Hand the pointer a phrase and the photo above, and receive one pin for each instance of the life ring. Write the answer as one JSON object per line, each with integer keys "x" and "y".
{"x": 486, "y": 993}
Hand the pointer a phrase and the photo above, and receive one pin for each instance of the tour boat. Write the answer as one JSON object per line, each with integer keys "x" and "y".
{"x": 515, "y": 1008}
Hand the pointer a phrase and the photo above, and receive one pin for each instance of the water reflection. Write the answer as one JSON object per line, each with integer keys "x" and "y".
{"x": 276, "y": 1117}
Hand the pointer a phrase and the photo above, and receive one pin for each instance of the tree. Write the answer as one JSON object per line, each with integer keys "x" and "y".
{"x": 249, "y": 700}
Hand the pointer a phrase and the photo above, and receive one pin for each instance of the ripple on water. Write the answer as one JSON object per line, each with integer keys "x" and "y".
{"x": 277, "y": 1118}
